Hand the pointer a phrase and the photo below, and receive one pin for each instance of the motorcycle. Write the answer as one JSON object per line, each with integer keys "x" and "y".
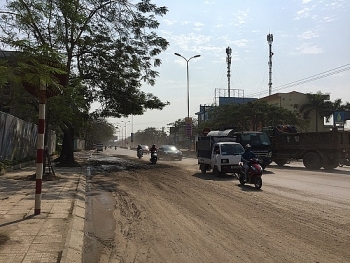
{"x": 139, "y": 153}
{"x": 254, "y": 173}
{"x": 154, "y": 157}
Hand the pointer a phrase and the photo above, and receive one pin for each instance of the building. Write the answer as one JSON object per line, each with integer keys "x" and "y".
{"x": 291, "y": 101}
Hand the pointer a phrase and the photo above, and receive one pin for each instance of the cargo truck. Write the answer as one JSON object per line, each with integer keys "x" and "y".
{"x": 218, "y": 154}
{"x": 316, "y": 149}
{"x": 259, "y": 141}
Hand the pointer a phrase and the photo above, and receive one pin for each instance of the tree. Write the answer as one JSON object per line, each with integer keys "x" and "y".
{"x": 109, "y": 47}
{"x": 250, "y": 116}
{"x": 317, "y": 102}
{"x": 150, "y": 136}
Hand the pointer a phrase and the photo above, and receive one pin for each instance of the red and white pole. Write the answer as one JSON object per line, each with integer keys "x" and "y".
{"x": 40, "y": 149}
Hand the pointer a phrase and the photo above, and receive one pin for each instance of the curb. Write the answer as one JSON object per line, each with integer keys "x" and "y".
{"x": 73, "y": 248}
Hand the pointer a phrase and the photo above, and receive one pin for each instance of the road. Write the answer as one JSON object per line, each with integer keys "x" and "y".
{"x": 170, "y": 212}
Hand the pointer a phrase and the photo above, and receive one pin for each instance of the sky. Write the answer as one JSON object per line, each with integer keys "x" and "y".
{"x": 310, "y": 38}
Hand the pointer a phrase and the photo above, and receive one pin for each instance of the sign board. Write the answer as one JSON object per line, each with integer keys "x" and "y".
{"x": 188, "y": 126}
{"x": 339, "y": 117}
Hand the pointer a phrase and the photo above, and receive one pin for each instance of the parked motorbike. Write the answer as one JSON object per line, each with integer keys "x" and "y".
{"x": 154, "y": 157}
{"x": 254, "y": 173}
{"x": 139, "y": 153}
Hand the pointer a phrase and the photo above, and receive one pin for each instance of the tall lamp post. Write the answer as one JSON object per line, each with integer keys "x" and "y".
{"x": 188, "y": 83}
{"x": 125, "y": 131}
{"x": 188, "y": 99}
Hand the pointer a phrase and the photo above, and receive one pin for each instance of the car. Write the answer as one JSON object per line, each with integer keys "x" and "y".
{"x": 99, "y": 147}
{"x": 169, "y": 152}
{"x": 145, "y": 149}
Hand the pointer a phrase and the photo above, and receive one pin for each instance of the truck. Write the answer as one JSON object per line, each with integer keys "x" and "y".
{"x": 316, "y": 149}
{"x": 218, "y": 154}
{"x": 258, "y": 140}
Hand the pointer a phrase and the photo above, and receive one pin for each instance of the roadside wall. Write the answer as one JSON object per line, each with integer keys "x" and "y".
{"x": 18, "y": 138}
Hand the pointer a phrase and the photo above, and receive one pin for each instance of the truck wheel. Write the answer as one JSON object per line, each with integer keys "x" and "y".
{"x": 216, "y": 171}
{"x": 280, "y": 162}
{"x": 312, "y": 161}
{"x": 203, "y": 168}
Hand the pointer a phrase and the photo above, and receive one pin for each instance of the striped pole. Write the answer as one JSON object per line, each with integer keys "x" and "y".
{"x": 40, "y": 149}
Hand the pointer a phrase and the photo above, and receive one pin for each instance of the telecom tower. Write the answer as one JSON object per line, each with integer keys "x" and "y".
{"x": 228, "y": 60}
{"x": 270, "y": 40}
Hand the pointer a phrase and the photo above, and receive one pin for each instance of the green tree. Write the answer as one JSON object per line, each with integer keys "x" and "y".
{"x": 250, "y": 116}
{"x": 151, "y": 136}
{"x": 317, "y": 104}
{"x": 109, "y": 48}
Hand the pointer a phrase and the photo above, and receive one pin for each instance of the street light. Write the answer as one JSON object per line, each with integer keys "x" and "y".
{"x": 125, "y": 131}
{"x": 188, "y": 83}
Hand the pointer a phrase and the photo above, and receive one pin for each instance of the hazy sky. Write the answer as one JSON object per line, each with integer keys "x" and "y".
{"x": 310, "y": 37}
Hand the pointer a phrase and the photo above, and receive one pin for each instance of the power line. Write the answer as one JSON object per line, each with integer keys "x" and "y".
{"x": 311, "y": 78}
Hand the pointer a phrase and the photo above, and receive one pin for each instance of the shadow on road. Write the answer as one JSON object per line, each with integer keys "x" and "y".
{"x": 322, "y": 170}
{"x": 210, "y": 176}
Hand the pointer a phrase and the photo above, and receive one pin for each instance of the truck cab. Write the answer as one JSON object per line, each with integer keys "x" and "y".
{"x": 219, "y": 156}
{"x": 259, "y": 142}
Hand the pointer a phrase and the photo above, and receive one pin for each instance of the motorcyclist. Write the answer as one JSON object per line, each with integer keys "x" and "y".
{"x": 246, "y": 156}
{"x": 139, "y": 147}
{"x": 153, "y": 148}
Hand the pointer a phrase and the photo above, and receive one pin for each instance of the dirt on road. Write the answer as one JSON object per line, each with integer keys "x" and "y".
{"x": 170, "y": 212}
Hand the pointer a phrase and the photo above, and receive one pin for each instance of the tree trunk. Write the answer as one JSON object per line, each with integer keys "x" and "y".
{"x": 67, "y": 154}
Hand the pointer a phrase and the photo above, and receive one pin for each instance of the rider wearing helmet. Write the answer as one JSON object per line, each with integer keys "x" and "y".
{"x": 153, "y": 148}
{"x": 246, "y": 156}
{"x": 139, "y": 147}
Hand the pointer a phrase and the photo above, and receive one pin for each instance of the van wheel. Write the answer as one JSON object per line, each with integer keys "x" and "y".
{"x": 216, "y": 171}
{"x": 203, "y": 168}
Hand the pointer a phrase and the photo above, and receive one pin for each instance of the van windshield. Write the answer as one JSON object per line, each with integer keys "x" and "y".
{"x": 255, "y": 139}
{"x": 231, "y": 149}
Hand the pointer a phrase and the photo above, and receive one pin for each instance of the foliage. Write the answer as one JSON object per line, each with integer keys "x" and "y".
{"x": 250, "y": 116}
{"x": 99, "y": 131}
{"x": 109, "y": 47}
{"x": 323, "y": 107}
{"x": 150, "y": 136}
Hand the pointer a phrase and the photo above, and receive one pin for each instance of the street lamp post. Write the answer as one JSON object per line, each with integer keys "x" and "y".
{"x": 125, "y": 131}
{"x": 188, "y": 83}
{"x": 188, "y": 95}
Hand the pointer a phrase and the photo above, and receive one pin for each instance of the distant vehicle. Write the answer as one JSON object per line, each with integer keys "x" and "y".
{"x": 145, "y": 149}
{"x": 219, "y": 154}
{"x": 99, "y": 147}
{"x": 259, "y": 141}
{"x": 169, "y": 152}
{"x": 154, "y": 157}
{"x": 325, "y": 149}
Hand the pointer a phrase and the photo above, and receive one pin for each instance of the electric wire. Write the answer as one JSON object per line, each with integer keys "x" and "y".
{"x": 309, "y": 79}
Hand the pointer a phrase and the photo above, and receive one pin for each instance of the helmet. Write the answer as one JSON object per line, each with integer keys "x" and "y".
{"x": 248, "y": 147}
{"x": 153, "y": 145}
{"x": 139, "y": 145}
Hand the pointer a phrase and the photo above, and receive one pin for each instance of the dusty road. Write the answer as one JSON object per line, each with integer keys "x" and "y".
{"x": 170, "y": 212}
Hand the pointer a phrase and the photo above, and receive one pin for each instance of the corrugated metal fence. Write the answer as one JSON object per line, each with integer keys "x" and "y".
{"x": 18, "y": 138}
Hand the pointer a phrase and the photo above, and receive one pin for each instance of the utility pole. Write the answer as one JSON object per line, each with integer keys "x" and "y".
{"x": 228, "y": 60}
{"x": 270, "y": 40}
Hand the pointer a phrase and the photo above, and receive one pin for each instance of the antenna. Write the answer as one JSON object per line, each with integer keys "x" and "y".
{"x": 270, "y": 40}
{"x": 228, "y": 60}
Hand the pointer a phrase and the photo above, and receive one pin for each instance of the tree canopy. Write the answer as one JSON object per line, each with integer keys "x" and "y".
{"x": 250, "y": 116}
{"x": 107, "y": 49}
